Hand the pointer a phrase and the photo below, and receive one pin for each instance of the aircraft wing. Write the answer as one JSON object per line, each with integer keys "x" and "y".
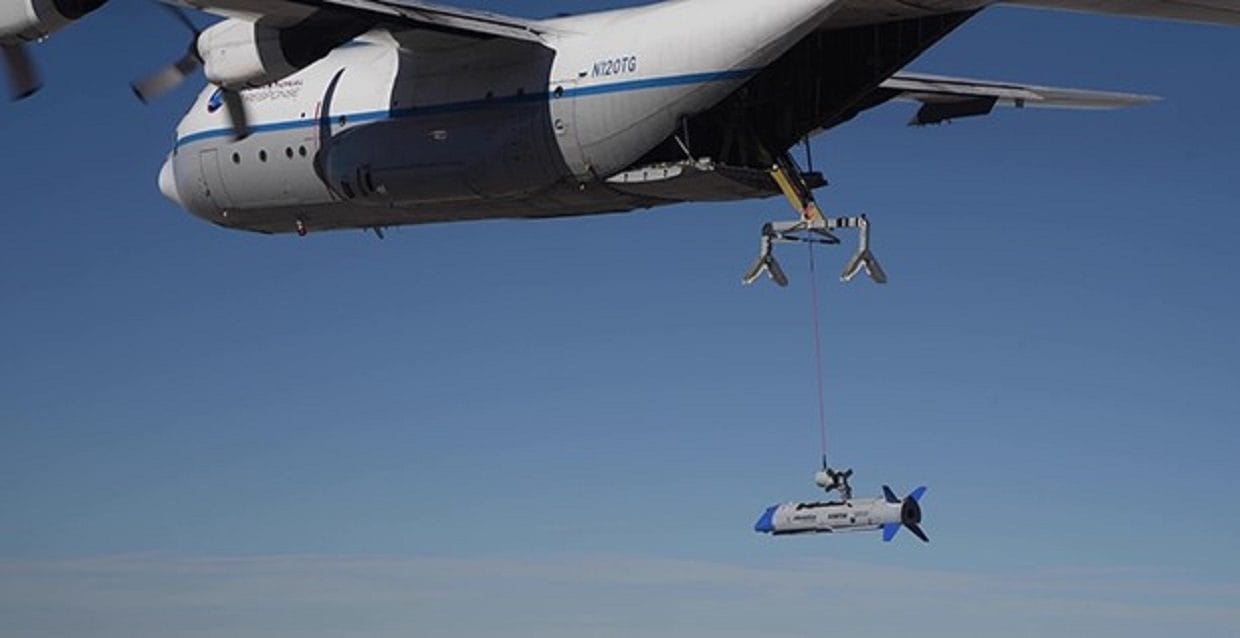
{"x": 864, "y": 12}
{"x": 1212, "y": 11}
{"x": 417, "y": 16}
{"x": 945, "y": 98}
{"x": 411, "y": 21}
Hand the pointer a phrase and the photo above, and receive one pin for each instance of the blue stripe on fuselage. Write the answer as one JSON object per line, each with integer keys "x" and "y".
{"x": 452, "y": 107}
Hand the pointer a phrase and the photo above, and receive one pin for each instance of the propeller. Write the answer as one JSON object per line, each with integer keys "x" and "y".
{"x": 910, "y": 514}
{"x": 168, "y": 78}
{"x": 160, "y": 82}
{"x": 164, "y": 80}
{"x": 22, "y": 75}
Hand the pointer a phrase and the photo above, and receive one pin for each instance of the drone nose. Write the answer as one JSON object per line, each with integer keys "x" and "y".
{"x": 168, "y": 182}
{"x": 766, "y": 524}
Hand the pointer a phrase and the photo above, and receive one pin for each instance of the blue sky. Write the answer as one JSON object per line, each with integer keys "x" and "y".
{"x": 567, "y": 428}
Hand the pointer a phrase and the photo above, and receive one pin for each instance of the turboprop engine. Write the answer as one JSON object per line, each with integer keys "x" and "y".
{"x": 24, "y": 21}
{"x": 240, "y": 54}
{"x": 29, "y": 20}
{"x": 853, "y": 515}
{"x": 237, "y": 54}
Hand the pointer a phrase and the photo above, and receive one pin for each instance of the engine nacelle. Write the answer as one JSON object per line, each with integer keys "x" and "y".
{"x": 238, "y": 54}
{"x": 34, "y": 19}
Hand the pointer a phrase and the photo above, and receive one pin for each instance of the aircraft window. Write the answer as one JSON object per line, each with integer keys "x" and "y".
{"x": 490, "y": 95}
{"x": 559, "y": 91}
{"x": 301, "y": 150}
{"x": 370, "y": 184}
{"x": 343, "y": 120}
{"x": 236, "y": 158}
{"x": 262, "y": 156}
{"x": 348, "y": 190}
{"x": 288, "y": 152}
{"x": 520, "y": 91}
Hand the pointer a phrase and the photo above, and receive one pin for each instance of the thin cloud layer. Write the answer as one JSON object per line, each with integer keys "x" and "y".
{"x": 318, "y": 595}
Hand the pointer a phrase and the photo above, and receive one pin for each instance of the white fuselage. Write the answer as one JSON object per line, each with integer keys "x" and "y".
{"x": 378, "y": 134}
{"x": 857, "y": 515}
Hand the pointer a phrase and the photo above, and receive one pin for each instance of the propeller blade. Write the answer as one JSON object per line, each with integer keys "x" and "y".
{"x": 918, "y": 493}
{"x": 917, "y": 531}
{"x": 237, "y": 114}
{"x": 168, "y": 78}
{"x": 22, "y": 75}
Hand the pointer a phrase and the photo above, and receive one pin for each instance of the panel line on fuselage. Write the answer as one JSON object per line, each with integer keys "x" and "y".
{"x": 452, "y": 107}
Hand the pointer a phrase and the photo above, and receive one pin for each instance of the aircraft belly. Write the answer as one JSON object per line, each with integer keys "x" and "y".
{"x": 559, "y": 200}
{"x": 701, "y": 180}
{"x": 475, "y": 155}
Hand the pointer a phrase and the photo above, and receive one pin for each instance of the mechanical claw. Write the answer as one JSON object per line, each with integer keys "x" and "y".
{"x": 864, "y": 259}
{"x": 812, "y": 227}
{"x": 766, "y": 263}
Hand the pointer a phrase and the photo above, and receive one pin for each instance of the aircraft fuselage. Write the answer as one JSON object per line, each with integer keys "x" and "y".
{"x": 376, "y": 135}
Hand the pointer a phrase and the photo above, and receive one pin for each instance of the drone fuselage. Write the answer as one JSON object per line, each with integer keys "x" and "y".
{"x": 856, "y": 515}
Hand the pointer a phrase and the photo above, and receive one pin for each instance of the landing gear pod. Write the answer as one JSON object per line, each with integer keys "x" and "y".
{"x": 888, "y": 514}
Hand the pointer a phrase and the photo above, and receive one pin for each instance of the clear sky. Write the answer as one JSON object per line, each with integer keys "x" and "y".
{"x": 567, "y": 428}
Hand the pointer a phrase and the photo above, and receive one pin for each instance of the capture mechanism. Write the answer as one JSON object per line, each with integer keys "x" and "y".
{"x": 812, "y": 227}
{"x": 829, "y": 480}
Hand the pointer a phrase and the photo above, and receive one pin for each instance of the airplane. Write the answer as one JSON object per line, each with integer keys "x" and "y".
{"x": 368, "y": 114}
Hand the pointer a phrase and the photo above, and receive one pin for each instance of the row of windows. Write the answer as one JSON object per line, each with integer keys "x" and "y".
{"x": 262, "y": 154}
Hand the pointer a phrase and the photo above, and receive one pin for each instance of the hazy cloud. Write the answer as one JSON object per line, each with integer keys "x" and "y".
{"x": 586, "y": 595}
